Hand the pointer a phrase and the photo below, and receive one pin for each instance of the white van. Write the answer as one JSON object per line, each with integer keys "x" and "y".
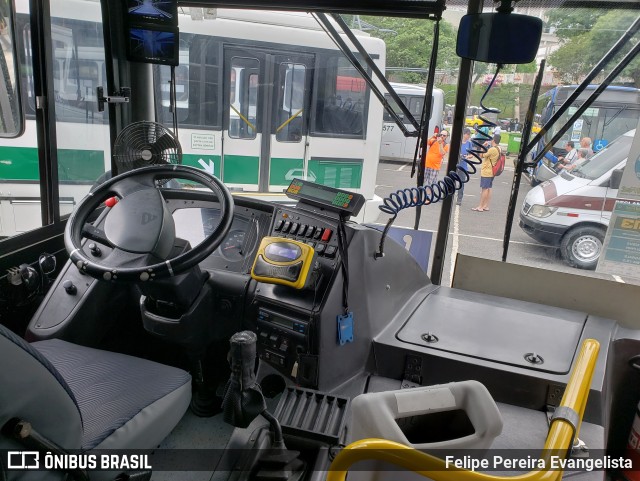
{"x": 572, "y": 210}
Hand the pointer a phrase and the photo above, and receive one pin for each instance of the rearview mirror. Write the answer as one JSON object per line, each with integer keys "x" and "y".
{"x": 504, "y": 38}
{"x": 11, "y": 119}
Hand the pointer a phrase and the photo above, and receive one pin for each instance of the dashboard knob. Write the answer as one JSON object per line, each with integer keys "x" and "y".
{"x": 69, "y": 287}
{"x": 95, "y": 250}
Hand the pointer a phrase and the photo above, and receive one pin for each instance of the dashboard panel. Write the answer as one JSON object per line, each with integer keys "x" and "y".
{"x": 195, "y": 220}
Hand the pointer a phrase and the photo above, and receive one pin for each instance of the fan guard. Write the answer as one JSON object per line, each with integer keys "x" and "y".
{"x": 146, "y": 143}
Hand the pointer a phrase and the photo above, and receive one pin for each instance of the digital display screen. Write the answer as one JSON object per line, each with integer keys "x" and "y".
{"x": 281, "y": 321}
{"x": 153, "y": 45}
{"x": 164, "y": 12}
{"x": 282, "y": 252}
{"x": 336, "y": 199}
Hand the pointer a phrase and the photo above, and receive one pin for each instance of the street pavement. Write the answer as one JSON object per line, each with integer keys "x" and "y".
{"x": 478, "y": 234}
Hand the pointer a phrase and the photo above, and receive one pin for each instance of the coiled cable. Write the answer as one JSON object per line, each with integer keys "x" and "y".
{"x": 453, "y": 181}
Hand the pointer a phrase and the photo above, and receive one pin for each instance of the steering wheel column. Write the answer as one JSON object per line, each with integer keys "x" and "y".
{"x": 139, "y": 230}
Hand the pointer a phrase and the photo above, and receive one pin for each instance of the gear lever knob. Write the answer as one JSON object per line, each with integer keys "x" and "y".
{"x": 243, "y": 399}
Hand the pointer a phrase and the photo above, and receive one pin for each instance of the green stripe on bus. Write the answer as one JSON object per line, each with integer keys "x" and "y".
{"x": 80, "y": 165}
{"x": 208, "y": 160}
{"x": 282, "y": 171}
{"x": 240, "y": 169}
{"x": 341, "y": 174}
{"x": 21, "y": 163}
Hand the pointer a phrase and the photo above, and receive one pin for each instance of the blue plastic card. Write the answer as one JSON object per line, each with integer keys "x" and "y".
{"x": 345, "y": 328}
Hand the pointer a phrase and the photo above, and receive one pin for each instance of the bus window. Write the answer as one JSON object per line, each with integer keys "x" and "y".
{"x": 11, "y": 123}
{"x": 289, "y": 121}
{"x": 243, "y": 98}
{"x": 341, "y": 100}
{"x": 387, "y": 117}
{"x": 212, "y": 84}
{"x": 416, "y": 104}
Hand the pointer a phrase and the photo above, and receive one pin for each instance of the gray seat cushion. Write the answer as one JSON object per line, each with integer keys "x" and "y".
{"x": 124, "y": 401}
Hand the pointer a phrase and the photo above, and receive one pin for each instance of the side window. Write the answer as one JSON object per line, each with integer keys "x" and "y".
{"x": 27, "y": 68}
{"x": 78, "y": 59}
{"x": 11, "y": 120}
{"x": 394, "y": 106}
{"x": 341, "y": 102}
{"x": 82, "y": 132}
{"x": 289, "y": 118}
{"x": 243, "y": 97}
{"x": 212, "y": 77}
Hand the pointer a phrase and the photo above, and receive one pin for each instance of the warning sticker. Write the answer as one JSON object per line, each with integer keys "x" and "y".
{"x": 203, "y": 141}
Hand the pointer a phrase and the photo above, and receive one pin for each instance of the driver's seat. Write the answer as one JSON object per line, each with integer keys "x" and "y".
{"x": 84, "y": 398}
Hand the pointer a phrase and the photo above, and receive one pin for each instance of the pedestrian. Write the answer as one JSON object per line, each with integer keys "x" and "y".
{"x": 489, "y": 159}
{"x": 466, "y": 146}
{"x": 437, "y": 150}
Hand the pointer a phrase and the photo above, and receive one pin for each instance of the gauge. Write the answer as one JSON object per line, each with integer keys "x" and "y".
{"x": 210, "y": 220}
{"x": 232, "y": 249}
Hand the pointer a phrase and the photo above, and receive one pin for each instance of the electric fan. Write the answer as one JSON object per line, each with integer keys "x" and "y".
{"x": 146, "y": 143}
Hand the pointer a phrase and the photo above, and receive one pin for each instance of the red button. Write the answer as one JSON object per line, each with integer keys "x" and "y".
{"x": 326, "y": 235}
{"x": 111, "y": 201}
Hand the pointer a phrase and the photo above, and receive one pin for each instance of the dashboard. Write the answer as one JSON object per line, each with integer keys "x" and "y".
{"x": 195, "y": 220}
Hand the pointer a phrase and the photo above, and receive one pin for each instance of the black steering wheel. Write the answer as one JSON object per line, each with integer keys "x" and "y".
{"x": 139, "y": 228}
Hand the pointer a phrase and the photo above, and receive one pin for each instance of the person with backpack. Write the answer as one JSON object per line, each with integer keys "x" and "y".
{"x": 490, "y": 160}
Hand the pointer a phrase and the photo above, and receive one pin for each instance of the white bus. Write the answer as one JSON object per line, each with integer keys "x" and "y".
{"x": 394, "y": 145}
{"x": 262, "y": 97}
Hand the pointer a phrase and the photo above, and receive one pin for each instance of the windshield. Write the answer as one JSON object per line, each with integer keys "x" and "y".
{"x": 606, "y": 159}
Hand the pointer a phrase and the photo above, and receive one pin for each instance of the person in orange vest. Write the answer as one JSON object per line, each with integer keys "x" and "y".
{"x": 436, "y": 151}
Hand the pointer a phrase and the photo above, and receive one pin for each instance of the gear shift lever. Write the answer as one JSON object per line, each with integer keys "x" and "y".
{"x": 243, "y": 398}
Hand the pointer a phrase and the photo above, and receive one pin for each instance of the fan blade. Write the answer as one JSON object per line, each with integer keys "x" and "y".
{"x": 164, "y": 142}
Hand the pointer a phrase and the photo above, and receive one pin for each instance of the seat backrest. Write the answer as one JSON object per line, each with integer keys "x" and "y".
{"x": 31, "y": 389}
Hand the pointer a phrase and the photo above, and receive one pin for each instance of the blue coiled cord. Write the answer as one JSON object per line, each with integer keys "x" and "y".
{"x": 453, "y": 181}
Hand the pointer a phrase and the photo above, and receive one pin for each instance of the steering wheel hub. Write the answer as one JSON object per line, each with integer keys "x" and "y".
{"x": 139, "y": 221}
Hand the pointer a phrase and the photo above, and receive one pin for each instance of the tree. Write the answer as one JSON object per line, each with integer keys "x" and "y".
{"x": 531, "y": 67}
{"x": 409, "y": 44}
{"x": 569, "y": 23}
{"x": 606, "y": 31}
{"x": 582, "y": 48}
{"x": 571, "y": 60}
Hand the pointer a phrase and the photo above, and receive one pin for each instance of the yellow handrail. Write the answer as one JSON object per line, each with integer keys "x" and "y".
{"x": 246, "y": 120}
{"x": 286, "y": 122}
{"x": 557, "y": 444}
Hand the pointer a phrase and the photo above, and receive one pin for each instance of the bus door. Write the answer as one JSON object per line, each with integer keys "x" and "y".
{"x": 267, "y": 110}
{"x": 288, "y": 156}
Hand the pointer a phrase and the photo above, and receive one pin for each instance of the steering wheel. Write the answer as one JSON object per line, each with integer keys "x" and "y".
{"x": 139, "y": 227}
